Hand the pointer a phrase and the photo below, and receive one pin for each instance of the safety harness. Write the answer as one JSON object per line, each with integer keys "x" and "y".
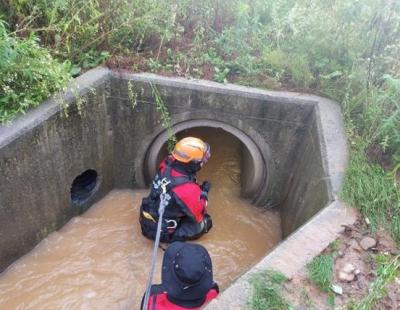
{"x": 159, "y": 180}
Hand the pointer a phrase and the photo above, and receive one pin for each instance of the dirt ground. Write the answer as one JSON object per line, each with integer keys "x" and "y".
{"x": 304, "y": 295}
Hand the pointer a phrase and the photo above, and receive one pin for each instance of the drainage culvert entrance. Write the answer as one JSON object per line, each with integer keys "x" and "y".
{"x": 100, "y": 258}
{"x": 299, "y": 138}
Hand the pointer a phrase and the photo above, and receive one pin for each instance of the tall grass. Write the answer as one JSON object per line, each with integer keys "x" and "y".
{"x": 369, "y": 187}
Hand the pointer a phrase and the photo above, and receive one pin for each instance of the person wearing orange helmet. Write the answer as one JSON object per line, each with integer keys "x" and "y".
{"x": 185, "y": 215}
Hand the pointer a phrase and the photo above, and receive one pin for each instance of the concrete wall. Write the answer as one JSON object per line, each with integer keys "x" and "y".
{"x": 42, "y": 152}
{"x": 278, "y": 124}
{"x": 324, "y": 226}
{"x": 307, "y": 190}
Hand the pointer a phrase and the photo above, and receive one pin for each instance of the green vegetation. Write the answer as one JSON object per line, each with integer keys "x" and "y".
{"x": 370, "y": 188}
{"x": 387, "y": 269}
{"x": 28, "y": 74}
{"x": 320, "y": 271}
{"x": 266, "y": 291}
{"x": 165, "y": 117}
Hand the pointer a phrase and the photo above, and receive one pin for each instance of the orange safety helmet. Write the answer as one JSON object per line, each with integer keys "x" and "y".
{"x": 191, "y": 149}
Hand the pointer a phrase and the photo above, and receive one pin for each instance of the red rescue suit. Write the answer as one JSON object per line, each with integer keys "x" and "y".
{"x": 159, "y": 300}
{"x": 185, "y": 216}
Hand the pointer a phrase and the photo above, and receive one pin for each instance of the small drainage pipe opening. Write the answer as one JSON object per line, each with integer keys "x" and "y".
{"x": 83, "y": 187}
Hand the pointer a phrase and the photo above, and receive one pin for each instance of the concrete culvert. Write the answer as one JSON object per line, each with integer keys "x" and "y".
{"x": 254, "y": 177}
{"x": 83, "y": 187}
{"x": 292, "y": 155}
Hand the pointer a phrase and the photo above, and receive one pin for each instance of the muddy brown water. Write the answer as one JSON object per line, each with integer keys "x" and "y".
{"x": 100, "y": 260}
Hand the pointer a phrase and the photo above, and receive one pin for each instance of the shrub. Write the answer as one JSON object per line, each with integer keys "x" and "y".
{"x": 29, "y": 75}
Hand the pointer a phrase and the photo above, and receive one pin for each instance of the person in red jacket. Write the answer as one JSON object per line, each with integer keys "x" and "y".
{"x": 185, "y": 216}
{"x": 186, "y": 279}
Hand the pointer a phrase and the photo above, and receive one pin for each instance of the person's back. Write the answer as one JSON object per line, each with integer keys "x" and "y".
{"x": 186, "y": 279}
{"x": 185, "y": 216}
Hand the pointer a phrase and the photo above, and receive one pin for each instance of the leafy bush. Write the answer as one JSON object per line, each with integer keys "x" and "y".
{"x": 78, "y": 28}
{"x": 28, "y": 74}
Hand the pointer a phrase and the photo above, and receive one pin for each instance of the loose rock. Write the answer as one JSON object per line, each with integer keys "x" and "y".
{"x": 348, "y": 268}
{"x": 367, "y": 242}
{"x": 345, "y": 277}
{"x": 354, "y": 244}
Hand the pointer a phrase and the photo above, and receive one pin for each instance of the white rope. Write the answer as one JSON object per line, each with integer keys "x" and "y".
{"x": 163, "y": 203}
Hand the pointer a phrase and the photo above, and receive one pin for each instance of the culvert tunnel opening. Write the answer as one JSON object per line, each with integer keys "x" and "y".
{"x": 227, "y": 151}
{"x": 83, "y": 187}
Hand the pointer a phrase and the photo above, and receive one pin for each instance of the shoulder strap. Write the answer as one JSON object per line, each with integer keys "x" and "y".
{"x": 175, "y": 181}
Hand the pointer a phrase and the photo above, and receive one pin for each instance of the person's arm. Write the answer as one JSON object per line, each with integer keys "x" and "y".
{"x": 188, "y": 198}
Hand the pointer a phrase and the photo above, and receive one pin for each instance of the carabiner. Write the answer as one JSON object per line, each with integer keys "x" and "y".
{"x": 164, "y": 183}
{"x": 175, "y": 224}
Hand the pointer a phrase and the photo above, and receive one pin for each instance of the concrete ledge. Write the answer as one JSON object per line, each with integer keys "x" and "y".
{"x": 292, "y": 254}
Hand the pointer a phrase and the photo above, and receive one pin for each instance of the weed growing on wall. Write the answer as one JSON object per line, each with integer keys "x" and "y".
{"x": 165, "y": 117}
{"x": 132, "y": 94}
{"x": 80, "y": 101}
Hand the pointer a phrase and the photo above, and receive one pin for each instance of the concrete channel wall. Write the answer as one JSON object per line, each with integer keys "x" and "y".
{"x": 42, "y": 152}
{"x": 277, "y": 125}
{"x": 40, "y": 155}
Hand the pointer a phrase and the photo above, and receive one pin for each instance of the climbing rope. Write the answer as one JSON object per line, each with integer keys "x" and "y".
{"x": 163, "y": 203}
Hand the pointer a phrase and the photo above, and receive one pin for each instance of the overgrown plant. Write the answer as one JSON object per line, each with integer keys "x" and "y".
{"x": 132, "y": 94}
{"x": 165, "y": 117}
{"x": 29, "y": 75}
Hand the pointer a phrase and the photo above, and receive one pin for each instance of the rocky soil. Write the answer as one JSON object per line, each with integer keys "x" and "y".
{"x": 354, "y": 271}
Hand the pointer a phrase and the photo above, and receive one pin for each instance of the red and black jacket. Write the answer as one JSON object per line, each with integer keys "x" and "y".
{"x": 159, "y": 300}
{"x": 185, "y": 211}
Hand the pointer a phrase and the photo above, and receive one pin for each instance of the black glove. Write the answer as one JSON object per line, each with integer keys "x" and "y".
{"x": 206, "y": 186}
{"x": 207, "y": 223}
